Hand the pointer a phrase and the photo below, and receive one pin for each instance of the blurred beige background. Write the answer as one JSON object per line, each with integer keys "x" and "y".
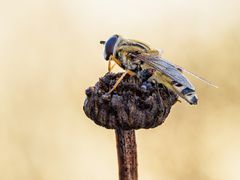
{"x": 49, "y": 55}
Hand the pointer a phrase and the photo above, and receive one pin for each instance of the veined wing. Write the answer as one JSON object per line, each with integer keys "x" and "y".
{"x": 166, "y": 68}
{"x": 196, "y": 76}
{"x": 166, "y": 64}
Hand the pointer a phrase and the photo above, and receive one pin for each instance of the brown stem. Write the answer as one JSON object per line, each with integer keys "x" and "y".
{"x": 127, "y": 154}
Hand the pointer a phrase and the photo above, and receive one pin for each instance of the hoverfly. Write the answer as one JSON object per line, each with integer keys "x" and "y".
{"x": 135, "y": 57}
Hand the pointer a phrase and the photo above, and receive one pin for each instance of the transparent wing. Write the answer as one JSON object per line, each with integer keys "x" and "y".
{"x": 196, "y": 76}
{"x": 166, "y": 64}
{"x": 166, "y": 68}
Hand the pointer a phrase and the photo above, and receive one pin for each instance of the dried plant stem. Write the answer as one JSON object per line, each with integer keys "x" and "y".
{"x": 127, "y": 154}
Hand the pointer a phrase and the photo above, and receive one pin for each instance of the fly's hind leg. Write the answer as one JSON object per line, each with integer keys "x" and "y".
{"x": 120, "y": 79}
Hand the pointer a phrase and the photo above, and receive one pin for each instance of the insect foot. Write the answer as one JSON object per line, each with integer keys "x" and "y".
{"x": 129, "y": 106}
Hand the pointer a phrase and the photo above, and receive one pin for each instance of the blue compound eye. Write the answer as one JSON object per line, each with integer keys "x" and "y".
{"x": 109, "y": 46}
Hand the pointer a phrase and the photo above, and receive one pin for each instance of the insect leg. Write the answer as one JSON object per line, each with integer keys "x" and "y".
{"x": 115, "y": 60}
{"x": 110, "y": 67}
{"x": 113, "y": 66}
{"x": 120, "y": 79}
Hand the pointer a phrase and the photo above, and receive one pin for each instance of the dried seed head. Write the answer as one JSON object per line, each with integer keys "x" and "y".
{"x": 133, "y": 105}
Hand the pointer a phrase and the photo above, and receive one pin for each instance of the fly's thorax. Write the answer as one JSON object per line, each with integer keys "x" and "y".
{"x": 125, "y": 51}
{"x": 127, "y": 62}
{"x": 130, "y": 47}
{"x": 142, "y": 47}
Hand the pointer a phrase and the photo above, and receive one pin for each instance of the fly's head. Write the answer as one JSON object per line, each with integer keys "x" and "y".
{"x": 111, "y": 45}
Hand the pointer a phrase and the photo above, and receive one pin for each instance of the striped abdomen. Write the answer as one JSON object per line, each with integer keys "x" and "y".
{"x": 186, "y": 93}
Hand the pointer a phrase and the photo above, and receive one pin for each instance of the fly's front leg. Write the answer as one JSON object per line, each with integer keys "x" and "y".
{"x": 110, "y": 67}
{"x": 120, "y": 79}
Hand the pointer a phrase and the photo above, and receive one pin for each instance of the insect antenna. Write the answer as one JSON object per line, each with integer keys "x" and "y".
{"x": 102, "y": 42}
